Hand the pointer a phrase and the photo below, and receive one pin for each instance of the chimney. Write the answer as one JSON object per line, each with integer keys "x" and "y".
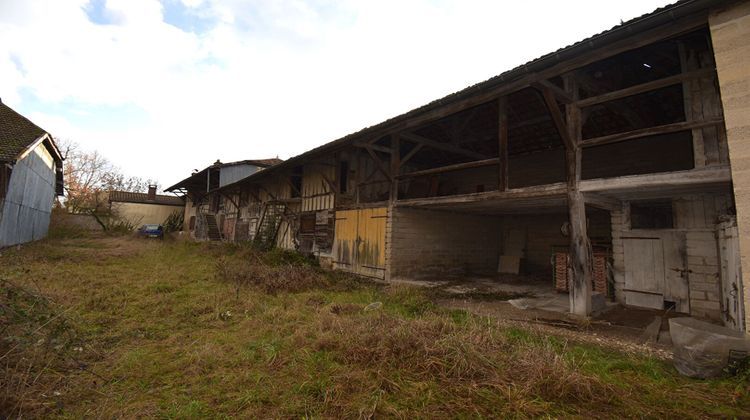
{"x": 152, "y": 192}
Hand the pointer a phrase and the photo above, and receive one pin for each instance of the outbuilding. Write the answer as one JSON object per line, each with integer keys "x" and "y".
{"x": 31, "y": 176}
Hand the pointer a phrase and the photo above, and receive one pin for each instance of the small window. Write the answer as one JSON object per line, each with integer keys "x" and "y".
{"x": 651, "y": 215}
{"x": 4, "y": 179}
{"x": 192, "y": 223}
{"x": 296, "y": 186}
{"x": 344, "y": 177}
{"x": 307, "y": 223}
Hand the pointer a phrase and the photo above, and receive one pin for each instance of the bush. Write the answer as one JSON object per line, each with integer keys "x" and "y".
{"x": 253, "y": 269}
{"x": 174, "y": 222}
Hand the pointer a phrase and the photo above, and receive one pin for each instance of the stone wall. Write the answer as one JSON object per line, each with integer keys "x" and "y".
{"x": 730, "y": 31}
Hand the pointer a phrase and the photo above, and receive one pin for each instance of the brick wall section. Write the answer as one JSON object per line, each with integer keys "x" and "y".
{"x": 431, "y": 244}
{"x": 599, "y": 272}
{"x": 730, "y": 30}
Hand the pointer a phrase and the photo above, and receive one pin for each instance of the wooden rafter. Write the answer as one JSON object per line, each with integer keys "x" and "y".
{"x": 451, "y": 168}
{"x": 560, "y": 94}
{"x": 650, "y": 131}
{"x": 447, "y": 147}
{"x": 378, "y": 163}
{"x": 411, "y": 153}
{"x": 645, "y": 87}
{"x": 557, "y": 118}
{"x": 379, "y": 148}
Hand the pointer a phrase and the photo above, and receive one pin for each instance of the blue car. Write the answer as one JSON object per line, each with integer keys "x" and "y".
{"x": 151, "y": 231}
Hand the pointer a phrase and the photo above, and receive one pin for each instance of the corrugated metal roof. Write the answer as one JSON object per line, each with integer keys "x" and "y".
{"x": 16, "y": 133}
{"x": 135, "y": 197}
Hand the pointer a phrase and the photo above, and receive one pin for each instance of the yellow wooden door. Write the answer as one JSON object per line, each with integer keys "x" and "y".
{"x": 371, "y": 242}
{"x": 359, "y": 242}
{"x": 345, "y": 240}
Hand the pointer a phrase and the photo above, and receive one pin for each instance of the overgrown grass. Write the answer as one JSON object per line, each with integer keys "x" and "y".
{"x": 163, "y": 331}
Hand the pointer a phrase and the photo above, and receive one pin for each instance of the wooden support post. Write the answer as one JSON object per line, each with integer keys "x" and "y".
{"x": 502, "y": 137}
{"x": 693, "y": 110}
{"x": 395, "y": 164}
{"x": 580, "y": 247}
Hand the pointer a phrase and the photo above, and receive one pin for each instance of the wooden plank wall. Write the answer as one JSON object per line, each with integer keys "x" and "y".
{"x": 317, "y": 193}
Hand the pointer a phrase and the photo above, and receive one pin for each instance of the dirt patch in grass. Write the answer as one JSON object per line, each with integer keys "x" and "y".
{"x": 163, "y": 333}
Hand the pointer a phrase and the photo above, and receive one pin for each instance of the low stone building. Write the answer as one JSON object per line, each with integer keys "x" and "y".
{"x": 144, "y": 208}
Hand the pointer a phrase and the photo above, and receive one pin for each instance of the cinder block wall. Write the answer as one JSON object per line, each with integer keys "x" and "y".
{"x": 730, "y": 31}
{"x": 428, "y": 244}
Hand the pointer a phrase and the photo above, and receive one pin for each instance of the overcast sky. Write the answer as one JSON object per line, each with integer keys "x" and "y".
{"x": 164, "y": 87}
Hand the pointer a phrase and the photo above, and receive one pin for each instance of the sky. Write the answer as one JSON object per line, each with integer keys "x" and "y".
{"x": 162, "y": 87}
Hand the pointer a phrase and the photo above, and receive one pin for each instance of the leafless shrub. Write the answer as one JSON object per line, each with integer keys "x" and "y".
{"x": 36, "y": 338}
{"x": 254, "y": 272}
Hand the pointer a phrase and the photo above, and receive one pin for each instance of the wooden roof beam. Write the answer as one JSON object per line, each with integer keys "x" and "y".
{"x": 560, "y": 94}
{"x": 600, "y": 201}
{"x": 651, "y": 131}
{"x": 645, "y": 87}
{"x": 557, "y": 118}
{"x": 446, "y": 147}
{"x": 451, "y": 168}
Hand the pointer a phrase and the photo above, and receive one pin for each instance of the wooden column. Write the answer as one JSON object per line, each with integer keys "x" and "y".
{"x": 502, "y": 138}
{"x": 395, "y": 164}
{"x": 580, "y": 274}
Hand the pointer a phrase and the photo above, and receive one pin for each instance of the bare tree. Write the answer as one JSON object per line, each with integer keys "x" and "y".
{"x": 89, "y": 177}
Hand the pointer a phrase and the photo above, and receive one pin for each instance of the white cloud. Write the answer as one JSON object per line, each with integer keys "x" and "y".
{"x": 268, "y": 77}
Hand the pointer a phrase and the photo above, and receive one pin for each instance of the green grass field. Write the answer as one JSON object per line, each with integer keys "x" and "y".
{"x": 107, "y": 327}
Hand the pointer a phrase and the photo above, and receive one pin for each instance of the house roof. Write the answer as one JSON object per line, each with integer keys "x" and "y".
{"x": 197, "y": 179}
{"x": 657, "y": 18}
{"x": 135, "y": 197}
{"x": 263, "y": 163}
{"x": 17, "y": 133}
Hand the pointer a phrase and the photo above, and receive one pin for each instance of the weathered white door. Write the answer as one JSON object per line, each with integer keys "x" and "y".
{"x": 644, "y": 272}
{"x": 732, "y": 308}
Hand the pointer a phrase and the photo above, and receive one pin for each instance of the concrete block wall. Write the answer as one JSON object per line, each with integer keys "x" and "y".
{"x": 730, "y": 31}
{"x": 620, "y": 223}
{"x": 703, "y": 274}
{"x": 429, "y": 244}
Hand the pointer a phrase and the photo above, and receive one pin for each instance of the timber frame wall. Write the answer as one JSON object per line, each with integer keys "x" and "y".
{"x": 377, "y": 166}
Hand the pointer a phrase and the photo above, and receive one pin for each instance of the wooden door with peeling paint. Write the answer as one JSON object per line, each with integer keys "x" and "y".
{"x": 359, "y": 243}
{"x": 655, "y": 271}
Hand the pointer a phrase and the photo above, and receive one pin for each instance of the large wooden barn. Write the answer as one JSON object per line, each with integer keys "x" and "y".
{"x": 616, "y": 166}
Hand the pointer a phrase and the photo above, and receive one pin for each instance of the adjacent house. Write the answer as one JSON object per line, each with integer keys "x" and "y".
{"x": 615, "y": 167}
{"x": 30, "y": 178}
{"x": 144, "y": 208}
{"x": 205, "y": 217}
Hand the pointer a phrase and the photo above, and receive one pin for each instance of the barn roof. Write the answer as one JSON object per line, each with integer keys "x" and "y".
{"x": 17, "y": 133}
{"x": 197, "y": 179}
{"x": 657, "y": 18}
